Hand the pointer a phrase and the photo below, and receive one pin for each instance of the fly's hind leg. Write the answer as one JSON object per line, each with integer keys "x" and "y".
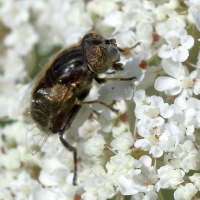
{"x": 70, "y": 118}
{"x": 72, "y": 149}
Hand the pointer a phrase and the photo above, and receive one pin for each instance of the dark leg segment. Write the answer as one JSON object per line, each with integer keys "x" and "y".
{"x": 126, "y": 50}
{"x": 104, "y": 80}
{"x": 79, "y": 102}
{"x": 73, "y": 149}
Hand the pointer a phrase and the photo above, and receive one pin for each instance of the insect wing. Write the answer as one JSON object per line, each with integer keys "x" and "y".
{"x": 37, "y": 135}
{"x": 26, "y": 100}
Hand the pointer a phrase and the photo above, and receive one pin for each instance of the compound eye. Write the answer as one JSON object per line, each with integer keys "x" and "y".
{"x": 98, "y": 58}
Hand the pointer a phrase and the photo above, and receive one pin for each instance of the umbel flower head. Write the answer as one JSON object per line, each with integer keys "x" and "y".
{"x": 150, "y": 147}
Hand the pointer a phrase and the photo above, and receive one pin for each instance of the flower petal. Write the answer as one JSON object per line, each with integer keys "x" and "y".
{"x": 174, "y": 69}
{"x": 187, "y": 41}
{"x": 156, "y": 151}
{"x": 180, "y": 54}
{"x": 141, "y": 112}
{"x": 158, "y": 121}
{"x": 170, "y": 85}
{"x": 165, "y": 51}
{"x": 166, "y": 111}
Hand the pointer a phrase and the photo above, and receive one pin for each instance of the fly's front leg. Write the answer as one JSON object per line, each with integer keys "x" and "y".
{"x": 73, "y": 149}
{"x": 79, "y": 102}
{"x": 127, "y": 50}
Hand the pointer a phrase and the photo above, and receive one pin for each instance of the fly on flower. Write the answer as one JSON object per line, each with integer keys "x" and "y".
{"x": 60, "y": 91}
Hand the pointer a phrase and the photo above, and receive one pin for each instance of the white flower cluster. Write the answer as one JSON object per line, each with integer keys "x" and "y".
{"x": 151, "y": 145}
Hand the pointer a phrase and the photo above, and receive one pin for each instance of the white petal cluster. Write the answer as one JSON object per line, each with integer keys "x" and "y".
{"x": 95, "y": 145}
{"x": 21, "y": 39}
{"x": 123, "y": 142}
{"x": 98, "y": 187}
{"x": 195, "y": 178}
{"x": 180, "y": 80}
{"x": 178, "y": 43}
{"x": 14, "y": 13}
{"x": 185, "y": 192}
{"x": 150, "y": 145}
{"x": 173, "y": 137}
{"x": 194, "y": 11}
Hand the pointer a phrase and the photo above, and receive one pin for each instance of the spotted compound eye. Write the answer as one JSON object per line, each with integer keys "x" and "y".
{"x": 98, "y": 58}
{"x": 100, "y": 53}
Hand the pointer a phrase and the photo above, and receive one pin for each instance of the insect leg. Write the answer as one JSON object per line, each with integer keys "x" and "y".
{"x": 68, "y": 121}
{"x": 126, "y": 50}
{"x": 104, "y": 80}
{"x": 73, "y": 149}
{"x": 79, "y": 102}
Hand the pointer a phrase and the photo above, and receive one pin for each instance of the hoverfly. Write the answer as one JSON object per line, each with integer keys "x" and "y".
{"x": 59, "y": 93}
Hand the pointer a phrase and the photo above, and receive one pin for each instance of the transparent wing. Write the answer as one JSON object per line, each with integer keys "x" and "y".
{"x": 36, "y": 135}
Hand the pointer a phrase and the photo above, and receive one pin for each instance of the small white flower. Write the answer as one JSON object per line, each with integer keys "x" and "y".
{"x": 140, "y": 98}
{"x": 102, "y": 8}
{"x": 146, "y": 196}
{"x": 119, "y": 21}
{"x": 188, "y": 155}
{"x": 5, "y": 193}
{"x": 178, "y": 44}
{"x": 148, "y": 5}
{"x": 170, "y": 177}
{"x": 194, "y": 11}
{"x": 10, "y": 69}
{"x": 173, "y": 4}
{"x": 53, "y": 172}
{"x": 175, "y": 21}
{"x": 195, "y": 178}
{"x": 10, "y": 160}
{"x": 154, "y": 112}
{"x": 136, "y": 11}
{"x": 161, "y": 28}
{"x": 22, "y": 39}
{"x": 185, "y": 192}
{"x": 160, "y": 12}
{"x": 126, "y": 186}
{"x": 95, "y": 145}
{"x": 89, "y": 128}
{"x": 55, "y": 178}
{"x": 123, "y": 142}
{"x": 144, "y": 33}
{"x": 39, "y": 193}
{"x": 98, "y": 187}
{"x": 124, "y": 164}
{"x": 107, "y": 125}
{"x": 171, "y": 137}
{"x": 14, "y": 13}
{"x": 120, "y": 128}
{"x": 151, "y": 123}
{"x": 126, "y": 38}
{"x": 180, "y": 81}
{"x": 23, "y": 185}
{"x": 149, "y": 172}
